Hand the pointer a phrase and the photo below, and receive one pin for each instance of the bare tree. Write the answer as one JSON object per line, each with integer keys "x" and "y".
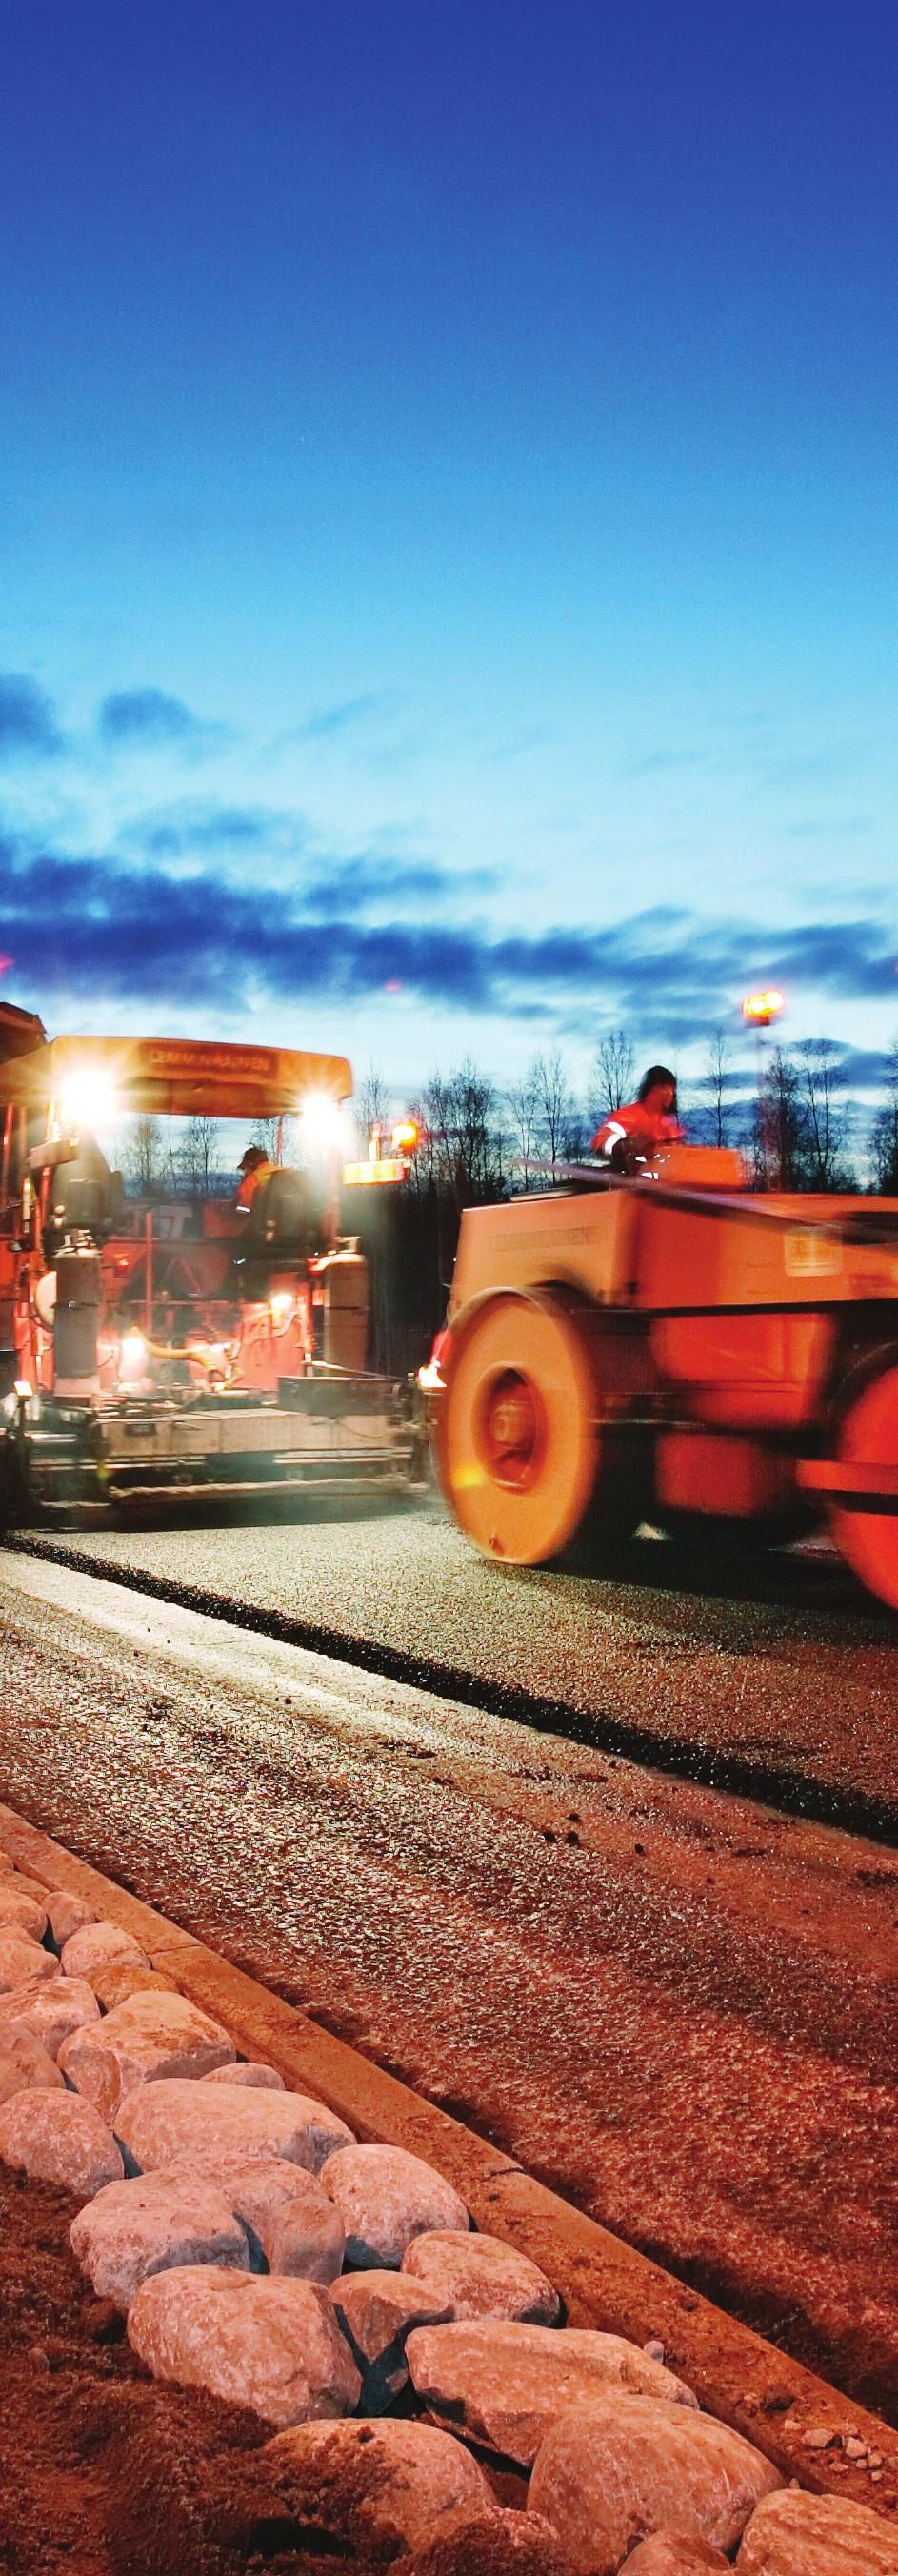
{"x": 373, "y": 1105}
{"x": 555, "y": 1105}
{"x": 780, "y": 1125}
{"x": 198, "y": 1155}
{"x": 613, "y": 1073}
{"x": 143, "y": 1156}
{"x": 715, "y": 1081}
{"x": 825, "y": 1113}
{"x": 884, "y": 1132}
{"x": 524, "y": 1102}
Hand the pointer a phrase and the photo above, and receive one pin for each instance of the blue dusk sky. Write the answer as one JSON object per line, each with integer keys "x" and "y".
{"x": 449, "y": 500}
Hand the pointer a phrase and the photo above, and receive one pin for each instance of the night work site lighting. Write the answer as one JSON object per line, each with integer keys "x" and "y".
{"x": 760, "y": 1008}
{"x": 381, "y": 1169}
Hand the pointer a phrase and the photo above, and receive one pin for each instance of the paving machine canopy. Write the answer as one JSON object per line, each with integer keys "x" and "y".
{"x": 171, "y": 1077}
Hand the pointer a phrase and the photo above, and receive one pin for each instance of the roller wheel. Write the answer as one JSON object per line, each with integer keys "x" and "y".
{"x": 520, "y": 1450}
{"x": 867, "y": 1438}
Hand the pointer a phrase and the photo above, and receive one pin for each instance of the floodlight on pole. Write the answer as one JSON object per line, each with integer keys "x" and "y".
{"x": 758, "y": 1011}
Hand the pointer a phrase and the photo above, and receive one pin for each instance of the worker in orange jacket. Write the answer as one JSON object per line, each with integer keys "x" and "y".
{"x": 636, "y": 1132}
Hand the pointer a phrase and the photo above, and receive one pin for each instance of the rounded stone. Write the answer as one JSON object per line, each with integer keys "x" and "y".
{"x": 95, "y": 1946}
{"x": 792, "y": 2534}
{"x": 50, "y": 2010}
{"x": 26, "y": 2066}
{"x": 478, "y": 2276}
{"x": 247, "y": 2070}
{"x": 175, "y": 2119}
{"x": 23, "y": 1962}
{"x": 272, "y": 2345}
{"x": 374, "y": 2484}
{"x": 55, "y": 2137}
{"x": 613, "y": 2471}
{"x": 494, "y": 2542}
{"x": 142, "y": 2041}
{"x": 290, "y": 2224}
{"x": 667, "y": 2554}
{"x": 506, "y": 2383}
{"x": 386, "y": 2198}
{"x": 151, "y": 2224}
{"x": 20, "y": 1913}
{"x": 66, "y": 1914}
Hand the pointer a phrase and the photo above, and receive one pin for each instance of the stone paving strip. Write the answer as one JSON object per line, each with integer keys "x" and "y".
{"x": 261, "y": 2249}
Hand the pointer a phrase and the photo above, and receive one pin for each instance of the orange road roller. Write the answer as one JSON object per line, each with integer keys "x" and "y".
{"x": 675, "y": 1349}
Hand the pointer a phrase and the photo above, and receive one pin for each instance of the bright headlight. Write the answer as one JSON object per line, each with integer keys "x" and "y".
{"x": 87, "y": 1099}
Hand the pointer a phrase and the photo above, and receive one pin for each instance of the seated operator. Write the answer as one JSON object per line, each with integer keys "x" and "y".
{"x": 635, "y": 1133}
{"x": 254, "y": 1167}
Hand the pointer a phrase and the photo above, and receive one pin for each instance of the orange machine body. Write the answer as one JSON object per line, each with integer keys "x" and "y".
{"x": 703, "y": 1353}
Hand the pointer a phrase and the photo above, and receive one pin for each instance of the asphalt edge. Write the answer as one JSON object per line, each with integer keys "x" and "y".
{"x": 788, "y": 1792}
{"x": 605, "y": 2283}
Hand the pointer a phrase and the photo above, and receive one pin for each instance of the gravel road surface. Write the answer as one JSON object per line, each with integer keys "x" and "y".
{"x": 676, "y": 2006}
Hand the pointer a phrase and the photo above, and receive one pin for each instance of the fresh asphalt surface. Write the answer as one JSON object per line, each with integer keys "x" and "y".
{"x": 675, "y": 2005}
{"x": 773, "y": 1674}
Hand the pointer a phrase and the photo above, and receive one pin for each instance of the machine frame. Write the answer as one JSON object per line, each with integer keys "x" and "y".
{"x": 676, "y": 1349}
{"x": 268, "y": 1389}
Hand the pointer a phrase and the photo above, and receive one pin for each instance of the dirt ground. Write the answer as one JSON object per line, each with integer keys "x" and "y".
{"x": 105, "y": 2473}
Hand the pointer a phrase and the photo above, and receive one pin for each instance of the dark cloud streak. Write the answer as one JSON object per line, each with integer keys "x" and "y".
{"x": 129, "y": 933}
{"x": 27, "y": 718}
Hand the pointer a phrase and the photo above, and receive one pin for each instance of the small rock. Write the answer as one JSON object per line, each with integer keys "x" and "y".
{"x": 818, "y": 2439}
{"x": 173, "y": 2119}
{"x": 26, "y": 2066}
{"x": 655, "y": 2350}
{"x": 289, "y": 2221}
{"x": 491, "y": 2543}
{"x": 373, "y": 2485}
{"x": 272, "y": 2345}
{"x": 793, "y": 2534}
{"x": 619, "y": 2468}
{"x": 66, "y": 1914}
{"x": 19, "y": 1913}
{"x": 377, "y": 2311}
{"x": 478, "y": 2276}
{"x": 247, "y": 2070}
{"x": 23, "y": 1962}
{"x": 140, "y": 2042}
{"x": 123, "y": 1978}
{"x": 507, "y": 2383}
{"x": 666, "y": 2554}
{"x": 134, "y": 2229}
{"x": 386, "y": 2197}
{"x": 50, "y": 2010}
{"x": 855, "y": 2449}
{"x": 55, "y": 2137}
{"x": 95, "y": 1945}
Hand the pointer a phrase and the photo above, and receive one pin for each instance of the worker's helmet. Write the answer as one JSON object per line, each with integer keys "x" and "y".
{"x": 657, "y": 1073}
{"x": 252, "y": 1159}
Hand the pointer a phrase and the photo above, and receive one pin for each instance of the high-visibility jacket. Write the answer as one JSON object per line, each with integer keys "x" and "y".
{"x": 637, "y": 1127}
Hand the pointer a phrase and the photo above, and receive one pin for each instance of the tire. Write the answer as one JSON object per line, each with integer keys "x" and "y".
{"x": 865, "y": 1435}
{"x": 522, "y": 1456}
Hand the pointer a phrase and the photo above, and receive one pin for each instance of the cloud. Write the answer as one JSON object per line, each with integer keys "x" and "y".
{"x": 193, "y": 826}
{"x": 115, "y": 932}
{"x": 338, "y": 718}
{"x": 358, "y": 885}
{"x": 27, "y": 718}
{"x": 147, "y": 719}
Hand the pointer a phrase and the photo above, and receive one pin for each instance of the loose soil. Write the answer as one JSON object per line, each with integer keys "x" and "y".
{"x": 104, "y": 2472}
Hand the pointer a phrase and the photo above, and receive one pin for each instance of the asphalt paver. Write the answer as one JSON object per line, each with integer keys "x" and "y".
{"x": 675, "y": 2005}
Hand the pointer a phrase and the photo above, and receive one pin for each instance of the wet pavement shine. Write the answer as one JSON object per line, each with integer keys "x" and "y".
{"x": 773, "y": 1673}
{"x": 676, "y": 2005}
